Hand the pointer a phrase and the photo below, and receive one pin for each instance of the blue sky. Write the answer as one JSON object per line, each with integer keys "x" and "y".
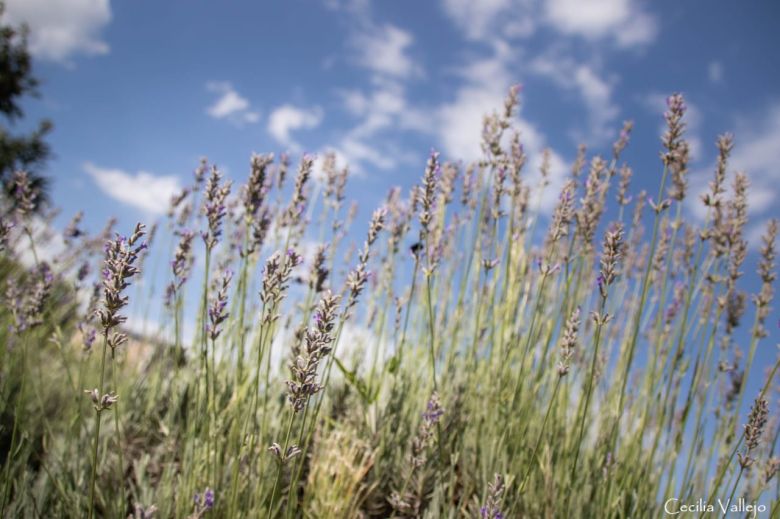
{"x": 139, "y": 90}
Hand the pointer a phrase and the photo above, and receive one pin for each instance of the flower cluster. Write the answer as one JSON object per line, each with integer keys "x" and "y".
{"x": 766, "y": 270}
{"x": 613, "y": 250}
{"x": 426, "y": 195}
{"x": 753, "y": 431}
{"x": 141, "y": 512}
{"x": 294, "y": 212}
{"x": 492, "y": 507}
{"x": 431, "y": 417}
{"x": 316, "y": 344}
{"x": 199, "y": 173}
{"x": 592, "y": 205}
{"x": 677, "y": 302}
{"x": 119, "y": 266}
{"x": 276, "y": 277}
{"x": 335, "y": 181}
{"x": 256, "y": 188}
{"x": 25, "y": 196}
{"x": 623, "y": 198}
{"x": 203, "y": 503}
{"x": 214, "y": 198}
{"x": 713, "y": 200}
{"x": 563, "y": 214}
{"x": 405, "y": 502}
{"x": 5, "y": 231}
{"x": 181, "y": 264}
{"x": 357, "y": 278}
{"x": 569, "y": 342}
{"x": 218, "y": 307}
{"x": 101, "y": 402}
{"x": 770, "y": 469}
{"x": 283, "y": 456}
{"x": 318, "y": 274}
{"x": 256, "y": 216}
{"x": 676, "y": 156}
{"x": 623, "y": 138}
{"x": 73, "y": 231}
{"x": 88, "y": 335}
{"x": 27, "y": 303}
{"x": 176, "y": 200}
{"x": 282, "y": 168}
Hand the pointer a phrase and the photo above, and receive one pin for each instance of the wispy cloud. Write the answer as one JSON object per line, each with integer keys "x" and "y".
{"x": 608, "y": 24}
{"x": 381, "y": 109}
{"x": 488, "y": 19}
{"x": 624, "y": 21}
{"x": 145, "y": 191}
{"x": 594, "y": 87}
{"x": 715, "y": 72}
{"x": 288, "y": 118}
{"x": 230, "y": 104}
{"x": 60, "y": 29}
{"x": 383, "y": 49}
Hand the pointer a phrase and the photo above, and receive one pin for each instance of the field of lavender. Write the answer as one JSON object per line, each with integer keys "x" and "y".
{"x": 459, "y": 362}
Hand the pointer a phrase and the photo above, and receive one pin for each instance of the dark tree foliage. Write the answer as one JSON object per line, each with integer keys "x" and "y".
{"x": 19, "y": 151}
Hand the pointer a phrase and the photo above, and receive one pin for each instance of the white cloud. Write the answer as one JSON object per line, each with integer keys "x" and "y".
{"x": 479, "y": 20}
{"x": 230, "y": 104}
{"x": 49, "y": 243}
{"x": 383, "y": 50}
{"x": 60, "y": 29}
{"x": 485, "y": 84}
{"x": 715, "y": 72}
{"x": 623, "y": 20}
{"x": 593, "y": 18}
{"x": 639, "y": 29}
{"x": 461, "y": 120}
{"x": 459, "y": 123}
{"x": 383, "y": 107}
{"x": 594, "y": 89}
{"x": 358, "y": 151}
{"x": 288, "y": 118}
{"x": 144, "y": 191}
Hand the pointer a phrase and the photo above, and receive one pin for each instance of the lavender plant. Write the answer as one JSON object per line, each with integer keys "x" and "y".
{"x": 579, "y": 379}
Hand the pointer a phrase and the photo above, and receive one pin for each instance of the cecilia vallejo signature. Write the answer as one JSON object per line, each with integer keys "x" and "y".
{"x": 674, "y": 506}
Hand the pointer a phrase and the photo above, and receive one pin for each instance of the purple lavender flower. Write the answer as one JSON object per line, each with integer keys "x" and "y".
{"x": 121, "y": 255}
{"x": 214, "y": 207}
{"x": 203, "y": 502}
{"x": 217, "y": 308}
{"x": 433, "y": 411}
{"x": 492, "y": 507}
{"x": 208, "y": 499}
{"x": 88, "y": 336}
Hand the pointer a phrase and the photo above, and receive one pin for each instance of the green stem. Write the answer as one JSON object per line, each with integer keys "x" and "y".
{"x": 539, "y": 438}
{"x": 96, "y": 438}
{"x": 589, "y": 390}
{"x": 281, "y": 465}
{"x": 733, "y": 490}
